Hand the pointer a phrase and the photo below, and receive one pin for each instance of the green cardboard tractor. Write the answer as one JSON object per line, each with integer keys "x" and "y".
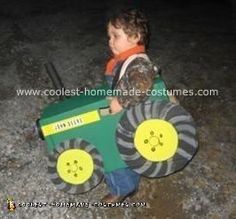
{"x": 155, "y": 138}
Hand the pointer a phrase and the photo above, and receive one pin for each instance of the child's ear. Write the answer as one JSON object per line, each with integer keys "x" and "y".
{"x": 135, "y": 38}
{"x": 138, "y": 37}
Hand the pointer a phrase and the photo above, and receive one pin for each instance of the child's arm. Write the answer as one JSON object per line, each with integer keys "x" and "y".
{"x": 115, "y": 106}
{"x": 137, "y": 80}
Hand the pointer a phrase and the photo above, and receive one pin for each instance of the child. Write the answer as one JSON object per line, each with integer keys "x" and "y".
{"x": 128, "y": 35}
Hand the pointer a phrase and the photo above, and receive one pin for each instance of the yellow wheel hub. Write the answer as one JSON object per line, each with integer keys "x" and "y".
{"x": 156, "y": 140}
{"x": 75, "y": 166}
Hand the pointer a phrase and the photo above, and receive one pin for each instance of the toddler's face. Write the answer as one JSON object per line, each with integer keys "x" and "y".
{"x": 119, "y": 41}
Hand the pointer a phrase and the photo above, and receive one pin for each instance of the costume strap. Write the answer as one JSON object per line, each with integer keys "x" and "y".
{"x": 129, "y": 60}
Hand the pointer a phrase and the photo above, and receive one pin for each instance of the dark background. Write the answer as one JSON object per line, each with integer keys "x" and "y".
{"x": 192, "y": 41}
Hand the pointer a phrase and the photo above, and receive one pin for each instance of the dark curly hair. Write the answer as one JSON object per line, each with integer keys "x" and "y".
{"x": 133, "y": 22}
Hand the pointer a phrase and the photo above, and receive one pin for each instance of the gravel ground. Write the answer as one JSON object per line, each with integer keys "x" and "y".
{"x": 195, "y": 45}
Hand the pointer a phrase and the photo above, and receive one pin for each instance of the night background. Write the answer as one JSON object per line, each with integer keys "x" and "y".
{"x": 193, "y": 41}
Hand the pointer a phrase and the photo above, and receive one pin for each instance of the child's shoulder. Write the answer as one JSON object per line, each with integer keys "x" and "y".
{"x": 142, "y": 63}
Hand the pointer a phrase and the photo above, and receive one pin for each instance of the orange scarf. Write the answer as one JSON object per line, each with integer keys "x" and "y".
{"x": 121, "y": 57}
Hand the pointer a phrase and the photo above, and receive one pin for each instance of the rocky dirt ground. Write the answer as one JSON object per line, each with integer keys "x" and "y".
{"x": 195, "y": 45}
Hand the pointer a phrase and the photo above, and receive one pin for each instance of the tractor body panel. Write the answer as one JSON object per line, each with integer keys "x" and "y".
{"x": 79, "y": 117}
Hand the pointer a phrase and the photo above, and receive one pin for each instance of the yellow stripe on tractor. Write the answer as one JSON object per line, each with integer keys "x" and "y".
{"x": 70, "y": 123}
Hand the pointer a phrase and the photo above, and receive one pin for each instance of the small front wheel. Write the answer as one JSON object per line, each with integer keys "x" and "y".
{"x": 75, "y": 166}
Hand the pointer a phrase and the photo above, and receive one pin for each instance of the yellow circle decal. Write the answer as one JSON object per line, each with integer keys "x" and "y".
{"x": 75, "y": 166}
{"x": 156, "y": 140}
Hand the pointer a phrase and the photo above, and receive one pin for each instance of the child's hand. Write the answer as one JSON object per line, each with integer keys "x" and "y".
{"x": 115, "y": 106}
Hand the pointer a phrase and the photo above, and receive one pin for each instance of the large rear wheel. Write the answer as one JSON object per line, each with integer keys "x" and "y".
{"x": 156, "y": 138}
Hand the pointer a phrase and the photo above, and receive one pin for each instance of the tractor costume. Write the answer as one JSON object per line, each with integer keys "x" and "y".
{"x": 151, "y": 136}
